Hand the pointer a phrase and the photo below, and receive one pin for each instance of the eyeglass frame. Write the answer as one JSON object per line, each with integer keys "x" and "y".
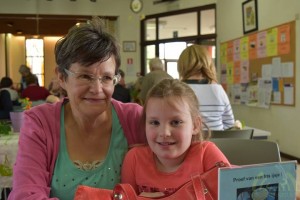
{"x": 115, "y": 79}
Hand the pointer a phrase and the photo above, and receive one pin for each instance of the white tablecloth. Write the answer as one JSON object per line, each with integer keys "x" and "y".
{"x": 9, "y": 148}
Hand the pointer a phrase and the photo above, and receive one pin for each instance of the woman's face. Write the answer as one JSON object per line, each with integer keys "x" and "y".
{"x": 89, "y": 98}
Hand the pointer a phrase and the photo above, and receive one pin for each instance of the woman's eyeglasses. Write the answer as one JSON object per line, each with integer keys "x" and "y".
{"x": 85, "y": 79}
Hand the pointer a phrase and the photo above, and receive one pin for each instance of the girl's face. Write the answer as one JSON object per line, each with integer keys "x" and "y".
{"x": 169, "y": 128}
{"x": 89, "y": 98}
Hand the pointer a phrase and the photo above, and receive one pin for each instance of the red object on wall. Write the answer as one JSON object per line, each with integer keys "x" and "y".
{"x": 129, "y": 61}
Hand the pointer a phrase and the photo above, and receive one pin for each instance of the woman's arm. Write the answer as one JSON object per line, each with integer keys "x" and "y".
{"x": 35, "y": 158}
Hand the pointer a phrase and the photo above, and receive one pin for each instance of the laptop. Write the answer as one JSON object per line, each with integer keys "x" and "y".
{"x": 267, "y": 181}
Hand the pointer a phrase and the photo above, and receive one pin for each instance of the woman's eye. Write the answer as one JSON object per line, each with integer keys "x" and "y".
{"x": 154, "y": 122}
{"x": 85, "y": 77}
{"x": 107, "y": 78}
{"x": 176, "y": 122}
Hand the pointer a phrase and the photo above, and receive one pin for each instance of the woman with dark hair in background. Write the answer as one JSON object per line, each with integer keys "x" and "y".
{"x": 6, "y": 83}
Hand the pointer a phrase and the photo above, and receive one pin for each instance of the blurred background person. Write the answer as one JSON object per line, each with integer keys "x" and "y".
{"x": 57, "y": 93}
{"x": 6, "y": 105}
{"x": 33, "y": 91}
{"x": 6, "y": 83}
{"x": 25, "y": 71}
{"x": 196, "y": 67}
{"x": 121, "y": 93}
{"x": 155, "y": 75}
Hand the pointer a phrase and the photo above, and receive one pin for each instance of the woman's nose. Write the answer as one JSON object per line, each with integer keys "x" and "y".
{"x": 96, "y": 86}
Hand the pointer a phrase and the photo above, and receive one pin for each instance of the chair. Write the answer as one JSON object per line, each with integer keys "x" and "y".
{"x": 245, "y": 151}
{"x": 234, "y": 133}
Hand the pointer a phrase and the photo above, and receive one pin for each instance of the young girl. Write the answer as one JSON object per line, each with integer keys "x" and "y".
{"x": 176, "y": 147}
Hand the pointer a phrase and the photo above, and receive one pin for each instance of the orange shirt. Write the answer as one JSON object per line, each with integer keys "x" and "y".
{"x": 140, "y": 171}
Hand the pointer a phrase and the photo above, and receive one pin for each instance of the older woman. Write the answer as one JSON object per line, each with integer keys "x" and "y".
{"x": 83, "y": 139}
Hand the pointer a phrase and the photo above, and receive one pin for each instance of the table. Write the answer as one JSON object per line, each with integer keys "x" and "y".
{"x": 258, "y": 133}
{"x": 9, "y": 148}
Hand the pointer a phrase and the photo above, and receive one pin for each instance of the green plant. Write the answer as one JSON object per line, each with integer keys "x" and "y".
{"x": 5, "y": 169}
{"x": 5, "y": 128}
{"x": 26, "y": 103}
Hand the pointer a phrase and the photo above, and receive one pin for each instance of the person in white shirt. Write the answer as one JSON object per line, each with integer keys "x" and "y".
{"x": 195, "y": 67}
{"x": 7, "y": 84}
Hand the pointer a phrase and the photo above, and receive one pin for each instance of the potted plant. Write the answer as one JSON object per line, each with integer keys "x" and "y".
{"x": 4, "y": 128}
{"x": 17, "y": 117}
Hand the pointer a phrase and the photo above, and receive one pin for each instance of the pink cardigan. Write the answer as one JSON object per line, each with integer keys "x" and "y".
{"x": 39, "y": 145}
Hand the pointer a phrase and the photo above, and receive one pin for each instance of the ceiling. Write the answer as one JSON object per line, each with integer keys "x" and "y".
{"x": 46, "y": 25}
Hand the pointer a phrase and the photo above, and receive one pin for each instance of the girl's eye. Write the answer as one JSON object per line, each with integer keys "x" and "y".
{"x": 154, "y": 122}
{"x": 176, "y": 122}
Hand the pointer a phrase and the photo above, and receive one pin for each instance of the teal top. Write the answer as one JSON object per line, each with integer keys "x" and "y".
{"x": 67, "y": 176}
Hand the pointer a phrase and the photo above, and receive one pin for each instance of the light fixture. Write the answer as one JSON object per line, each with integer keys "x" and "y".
{"x": 10, "y": 24}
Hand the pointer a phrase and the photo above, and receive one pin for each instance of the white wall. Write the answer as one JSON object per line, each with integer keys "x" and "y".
{"x": 282, "y": 121}
{"x": 128, "y": 27}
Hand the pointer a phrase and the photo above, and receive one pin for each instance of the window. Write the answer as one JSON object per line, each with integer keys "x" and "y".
{"x": 165, "y": 35}
{"x": 35, "y": 58}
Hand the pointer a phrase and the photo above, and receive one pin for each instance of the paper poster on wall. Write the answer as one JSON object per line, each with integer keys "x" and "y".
{"x": 272, "y": 44}
{"x": 264, "y": 93}
{"x": 276, "y": 97}
{"x": 284, "y": 39}
{"x": 236, "y": 93}
{"x": 245, "y": 71}
{"x": 288, "y": 94}
{"x": 223, "y": 53}
{"x": 244, "y": 48}
{"x": 287, "y": 69}
{"x": 236, "y": 50}
{"x": 266, "y": 71}
{"x": 267, "y": 54}
{"x": 261, "y": 42}
{"x": 276, "y": 67}
{"x": 237, "y": 72}
{"x": 129, "y": 67}
{"x": 229, "y": 71}
{"x": 252, "y": 46}
{"x": 230, "y": 51}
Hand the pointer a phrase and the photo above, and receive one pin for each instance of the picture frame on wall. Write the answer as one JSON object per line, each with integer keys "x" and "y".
{"x": 250, "y": 22}
{"x": 129, "y": 46}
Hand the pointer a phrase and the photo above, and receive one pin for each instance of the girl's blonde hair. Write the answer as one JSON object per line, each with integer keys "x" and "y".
{"x": 174, "y": 88}
{"x": 196, "y": 60}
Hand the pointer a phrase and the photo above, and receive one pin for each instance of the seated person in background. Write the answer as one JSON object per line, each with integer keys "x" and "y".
{"x": 156, "y": 74}
{"x": 121, "y": 93}
{"x": 136, "y": 89}
{"x": 6, "y": 105}
{"x": 196, "y": 68}
{"x": 25, "y": 71}
{"x": 176, "y": 148}
{"x": 57, "y": 93}
{"x": 7, "y": 84}
{"x": 33, "y": 91}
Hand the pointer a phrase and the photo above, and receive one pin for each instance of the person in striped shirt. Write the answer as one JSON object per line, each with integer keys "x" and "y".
{"x": 195, "y": 67}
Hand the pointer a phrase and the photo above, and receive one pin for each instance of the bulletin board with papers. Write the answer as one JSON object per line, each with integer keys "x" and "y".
{"x": 259, "y": 69}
